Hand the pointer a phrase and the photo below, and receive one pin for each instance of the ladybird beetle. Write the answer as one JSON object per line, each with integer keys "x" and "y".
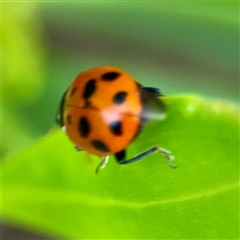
{"x": 104, "y": 110}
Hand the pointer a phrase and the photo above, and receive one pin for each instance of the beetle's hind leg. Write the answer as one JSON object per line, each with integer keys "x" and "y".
{"x": 120, "y": 156}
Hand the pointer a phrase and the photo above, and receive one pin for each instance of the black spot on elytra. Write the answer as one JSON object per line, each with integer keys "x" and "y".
{"x": 73, "y": 91}
{"x": 69, "y": 119}
{"x": 110, "y": 76}
{"x": 100, "y": 146}
{"x": 90, "y": 88}
{"x": 119, "y": 97}
{"x": 84, "y": 127}
{"x": 116, "y": 128}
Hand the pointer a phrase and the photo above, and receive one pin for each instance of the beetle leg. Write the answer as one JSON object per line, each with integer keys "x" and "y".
{"x": 102, "y": 164}
{"x": 120, "y": 156}
{"x": 78, "y": 148}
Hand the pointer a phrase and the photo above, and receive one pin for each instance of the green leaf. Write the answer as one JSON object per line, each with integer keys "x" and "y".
{"x": 51, "y": 188}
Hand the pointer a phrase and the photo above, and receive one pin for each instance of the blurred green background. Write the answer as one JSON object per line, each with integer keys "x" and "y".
{"x": 179, "y": 47}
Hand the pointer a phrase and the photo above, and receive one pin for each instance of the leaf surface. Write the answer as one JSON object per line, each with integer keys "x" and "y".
{"x": 52, "y": 188}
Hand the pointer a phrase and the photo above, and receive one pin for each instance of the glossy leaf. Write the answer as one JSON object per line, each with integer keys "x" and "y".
{"x": 52, "y": 188}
